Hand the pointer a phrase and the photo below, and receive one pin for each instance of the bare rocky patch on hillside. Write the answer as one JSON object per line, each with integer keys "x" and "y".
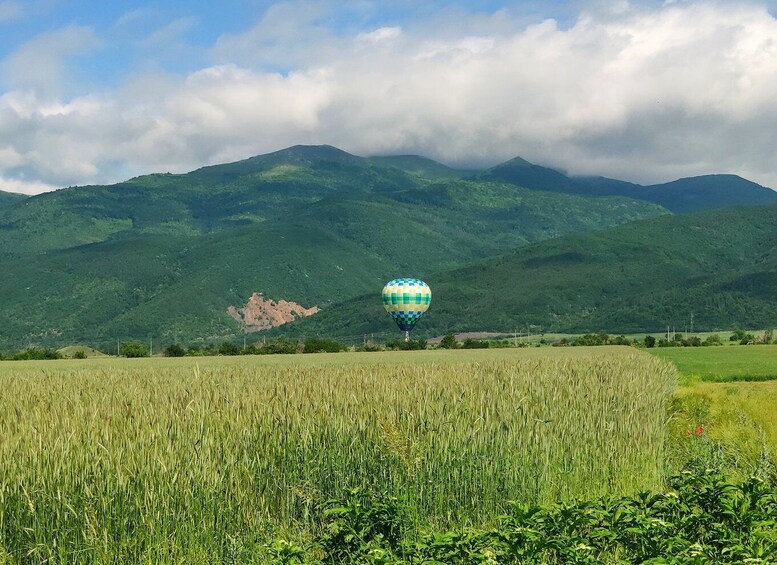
{"x": 261, "y": 313}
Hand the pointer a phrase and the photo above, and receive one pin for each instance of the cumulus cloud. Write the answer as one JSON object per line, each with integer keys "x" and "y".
{"x": 646, "y": 94}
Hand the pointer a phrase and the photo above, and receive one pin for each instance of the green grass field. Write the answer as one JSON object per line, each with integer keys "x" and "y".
{"x": 203, "y": 460}
{"x": 731, "y": 392}
{"x": 720, "y": 364}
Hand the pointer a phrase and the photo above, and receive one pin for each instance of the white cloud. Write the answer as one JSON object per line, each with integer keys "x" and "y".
{"x": 40, "y": 64}
{"x": 24, "y": 187}
{"x": 381, "y": 34}
{"x": 644, "y": 94}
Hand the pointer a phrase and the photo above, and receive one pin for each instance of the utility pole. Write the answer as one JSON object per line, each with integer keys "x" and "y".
{"x": 691, "y": 322}
{"x": 515, "y": 338}
{"x": 118, "y": 347}
{"x": 151, "y": 346}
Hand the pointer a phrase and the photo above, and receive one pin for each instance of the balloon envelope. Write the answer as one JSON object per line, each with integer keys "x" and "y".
{"x": 406, "y": 300}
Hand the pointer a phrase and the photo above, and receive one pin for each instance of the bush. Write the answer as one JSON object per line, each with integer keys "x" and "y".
{"x": 357, "y": 522}
{"x": 412, "y": 345}
{"x": 35, "y": 354}
{"x": 470, "y": 343}
{"x": 133, "y": 349}
{"x": 449, "y": 342}
{"x": 282, "y": 345}
{"x": 369, "y": 347}
{"x": 600, "y": 338}
{"x": 80, "y": 354}
{"x": 323, "y": 345}
{"x": 197, "y": 351}
{"x": 693, "y": 341}
{"x": 701, "y": 519}
{"x": 713, "y": 339}
{"x": 649, "y": 341}
{"x": 743, "y": 337}
{"x": 174, "y": 350}
{"x": 228, "y": 348}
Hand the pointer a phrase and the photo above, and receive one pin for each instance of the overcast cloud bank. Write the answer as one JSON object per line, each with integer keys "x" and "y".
{"x": 642, "y": 94}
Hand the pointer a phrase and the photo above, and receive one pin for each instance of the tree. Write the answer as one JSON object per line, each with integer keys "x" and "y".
{"x": 133, "y": 349}
{"x": 649, "y": 341}
{"x": 448, "y": 342}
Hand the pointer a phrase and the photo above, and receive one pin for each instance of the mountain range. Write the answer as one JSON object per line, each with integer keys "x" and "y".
{"x": 167, "y": 255}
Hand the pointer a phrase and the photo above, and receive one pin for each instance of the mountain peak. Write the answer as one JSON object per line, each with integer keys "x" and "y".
{"x": 516, "y": 162}
{"x": 310, "y": 154}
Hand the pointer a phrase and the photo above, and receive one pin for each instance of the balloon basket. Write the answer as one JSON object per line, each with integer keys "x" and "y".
{"x": 407, "y": 336}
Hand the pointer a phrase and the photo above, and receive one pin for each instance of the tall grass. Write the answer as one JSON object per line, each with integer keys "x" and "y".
{"x": 169, "y": 463}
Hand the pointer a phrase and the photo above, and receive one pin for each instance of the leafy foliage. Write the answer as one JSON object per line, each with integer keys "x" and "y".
{"x": 700, "y": 518}
{"x": 449, "y": 342}
{"x": 174, "y": 350}
{"x": 323, "y": 345}
{"x": 35, "y": 354}
{"x": 133, "y": 349}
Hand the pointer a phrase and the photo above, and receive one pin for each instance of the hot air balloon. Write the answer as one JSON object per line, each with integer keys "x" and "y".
{"x": 406, "y": 300}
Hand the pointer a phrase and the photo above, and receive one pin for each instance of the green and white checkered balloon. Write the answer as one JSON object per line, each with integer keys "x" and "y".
{"x": 406, "y": 300}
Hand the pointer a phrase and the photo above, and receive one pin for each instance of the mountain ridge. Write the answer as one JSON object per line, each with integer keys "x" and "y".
{"x": 682, "y": 195}
{"x": 166, "y": 255}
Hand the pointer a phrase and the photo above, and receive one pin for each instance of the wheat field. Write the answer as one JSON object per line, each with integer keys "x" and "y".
{"x": 201, "y": 460}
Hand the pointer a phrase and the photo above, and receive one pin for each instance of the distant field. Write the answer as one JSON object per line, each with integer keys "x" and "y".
{"x": 315, "y": 359}
{"x": 203, "y": 459}
{"x": 720, "y": 364}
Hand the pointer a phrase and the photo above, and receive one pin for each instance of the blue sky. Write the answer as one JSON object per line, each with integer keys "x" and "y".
{"x": 648, "y": 91}
{"x": 125, "y": 29}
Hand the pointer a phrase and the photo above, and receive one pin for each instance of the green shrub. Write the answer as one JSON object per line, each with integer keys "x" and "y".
{"x": 701, "y": 519}
{"x": 228, "y": 348}
{"x": 412, "y": 345}
{"x": 323, "y": 345}
{"x": 174, "y": 350}
{"x": 713, "y": 339}
{"x": 282, "y": 345}
{"x": 133, "y": 349}
{"x": 449, "y": 342}
{"x": 470, "y": 343}
{"x": 34, "y": 353}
